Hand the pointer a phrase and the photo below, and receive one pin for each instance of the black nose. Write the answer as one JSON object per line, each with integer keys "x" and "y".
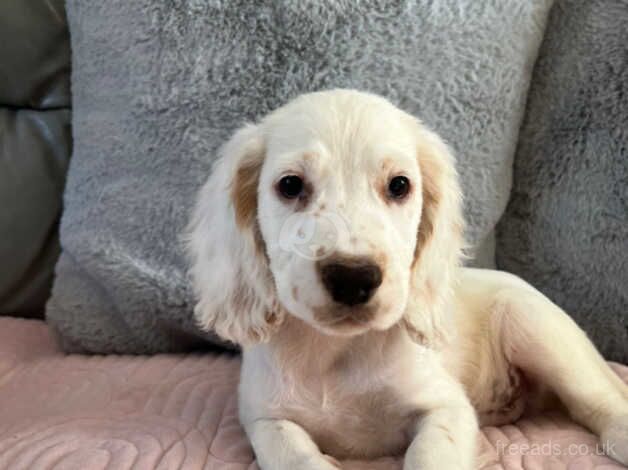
{"x": 351, "y": 282}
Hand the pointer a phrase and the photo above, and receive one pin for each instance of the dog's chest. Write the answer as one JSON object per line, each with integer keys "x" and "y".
{"x": 361, "y": 400}
{"x": 348, "y": 424}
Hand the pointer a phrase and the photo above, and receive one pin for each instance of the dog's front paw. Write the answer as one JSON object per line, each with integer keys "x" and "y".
{"x": 439, "y": 457}
{"x": 614, "y": 439}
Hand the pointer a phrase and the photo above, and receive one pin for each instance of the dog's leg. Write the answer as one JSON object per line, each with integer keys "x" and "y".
{"x": 544, "y": 342}
{"x": 446, "y": 436}
{"x": 283, "y": 445}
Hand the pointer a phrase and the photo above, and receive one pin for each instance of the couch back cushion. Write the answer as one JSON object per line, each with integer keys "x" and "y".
{"x": 159, "y": 86}
{"x": 566, "y": 227}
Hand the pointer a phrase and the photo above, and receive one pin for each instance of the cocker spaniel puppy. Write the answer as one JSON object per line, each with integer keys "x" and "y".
{"x": 327, "y": 243}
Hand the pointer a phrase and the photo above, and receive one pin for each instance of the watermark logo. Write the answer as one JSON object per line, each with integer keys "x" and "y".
{"x": 552, "y": 448}
{"x": 313, "y": 235}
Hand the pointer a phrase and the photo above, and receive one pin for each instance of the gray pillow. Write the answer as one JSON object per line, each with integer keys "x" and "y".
{"x": 158, "y": 86}
{"x": 566, "y": 227}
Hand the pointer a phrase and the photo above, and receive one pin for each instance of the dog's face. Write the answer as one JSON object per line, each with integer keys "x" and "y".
{"x": 326, "y": 210}
{"x": 339, "y": 204}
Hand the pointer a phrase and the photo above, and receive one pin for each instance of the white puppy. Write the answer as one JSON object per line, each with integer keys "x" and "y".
{"x": 327, "y": 243}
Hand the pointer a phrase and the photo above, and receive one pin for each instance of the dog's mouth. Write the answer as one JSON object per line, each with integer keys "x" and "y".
{"x": 345, "y": 320}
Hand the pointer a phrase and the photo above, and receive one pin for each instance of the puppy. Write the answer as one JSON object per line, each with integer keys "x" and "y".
{"x": 327, "y": 243}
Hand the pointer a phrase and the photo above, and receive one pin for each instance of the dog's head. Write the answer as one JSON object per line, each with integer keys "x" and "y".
{"x": 337, "y": 208}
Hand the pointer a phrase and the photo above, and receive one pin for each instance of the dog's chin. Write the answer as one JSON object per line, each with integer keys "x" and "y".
{"x": 346, "y": 327}
{"x": 355, "y": 321}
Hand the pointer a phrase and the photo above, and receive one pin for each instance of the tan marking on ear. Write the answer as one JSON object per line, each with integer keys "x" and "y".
{"x": 244, "y": 197}
{"x": 431, "y": 184}
{"x": 295, "y": 293}
{"x": 244, "y": 192}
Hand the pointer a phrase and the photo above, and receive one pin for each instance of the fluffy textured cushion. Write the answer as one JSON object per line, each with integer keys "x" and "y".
{"x": 158, "y": 86}
{"x": 566, "y": 227}
{"x": 173, "y": 411}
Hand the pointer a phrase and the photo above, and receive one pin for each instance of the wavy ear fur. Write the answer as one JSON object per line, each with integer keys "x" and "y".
{"x": 229, "y": 263}
{"x": 439, "y": 243}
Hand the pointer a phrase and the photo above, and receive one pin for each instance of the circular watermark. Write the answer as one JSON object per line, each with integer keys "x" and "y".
{"x": 313, "y": 235}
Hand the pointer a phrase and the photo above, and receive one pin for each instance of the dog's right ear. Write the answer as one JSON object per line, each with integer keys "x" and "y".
{"x": 230, "y": 274}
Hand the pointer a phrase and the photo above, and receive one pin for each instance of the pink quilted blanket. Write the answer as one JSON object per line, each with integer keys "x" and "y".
{"x": 179, "y": 412}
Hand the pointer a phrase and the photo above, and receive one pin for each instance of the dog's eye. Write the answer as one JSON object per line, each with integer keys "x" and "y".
{"x": 398, "y": 187}
{"x": 290, "y": 186}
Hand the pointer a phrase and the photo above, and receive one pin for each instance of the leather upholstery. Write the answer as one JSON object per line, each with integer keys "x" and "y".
{"x": 35, "y": 147}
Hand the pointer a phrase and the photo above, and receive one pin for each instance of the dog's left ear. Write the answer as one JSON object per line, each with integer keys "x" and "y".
{"x": 230, "y": 273}
{"x": 439, "y": 244}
